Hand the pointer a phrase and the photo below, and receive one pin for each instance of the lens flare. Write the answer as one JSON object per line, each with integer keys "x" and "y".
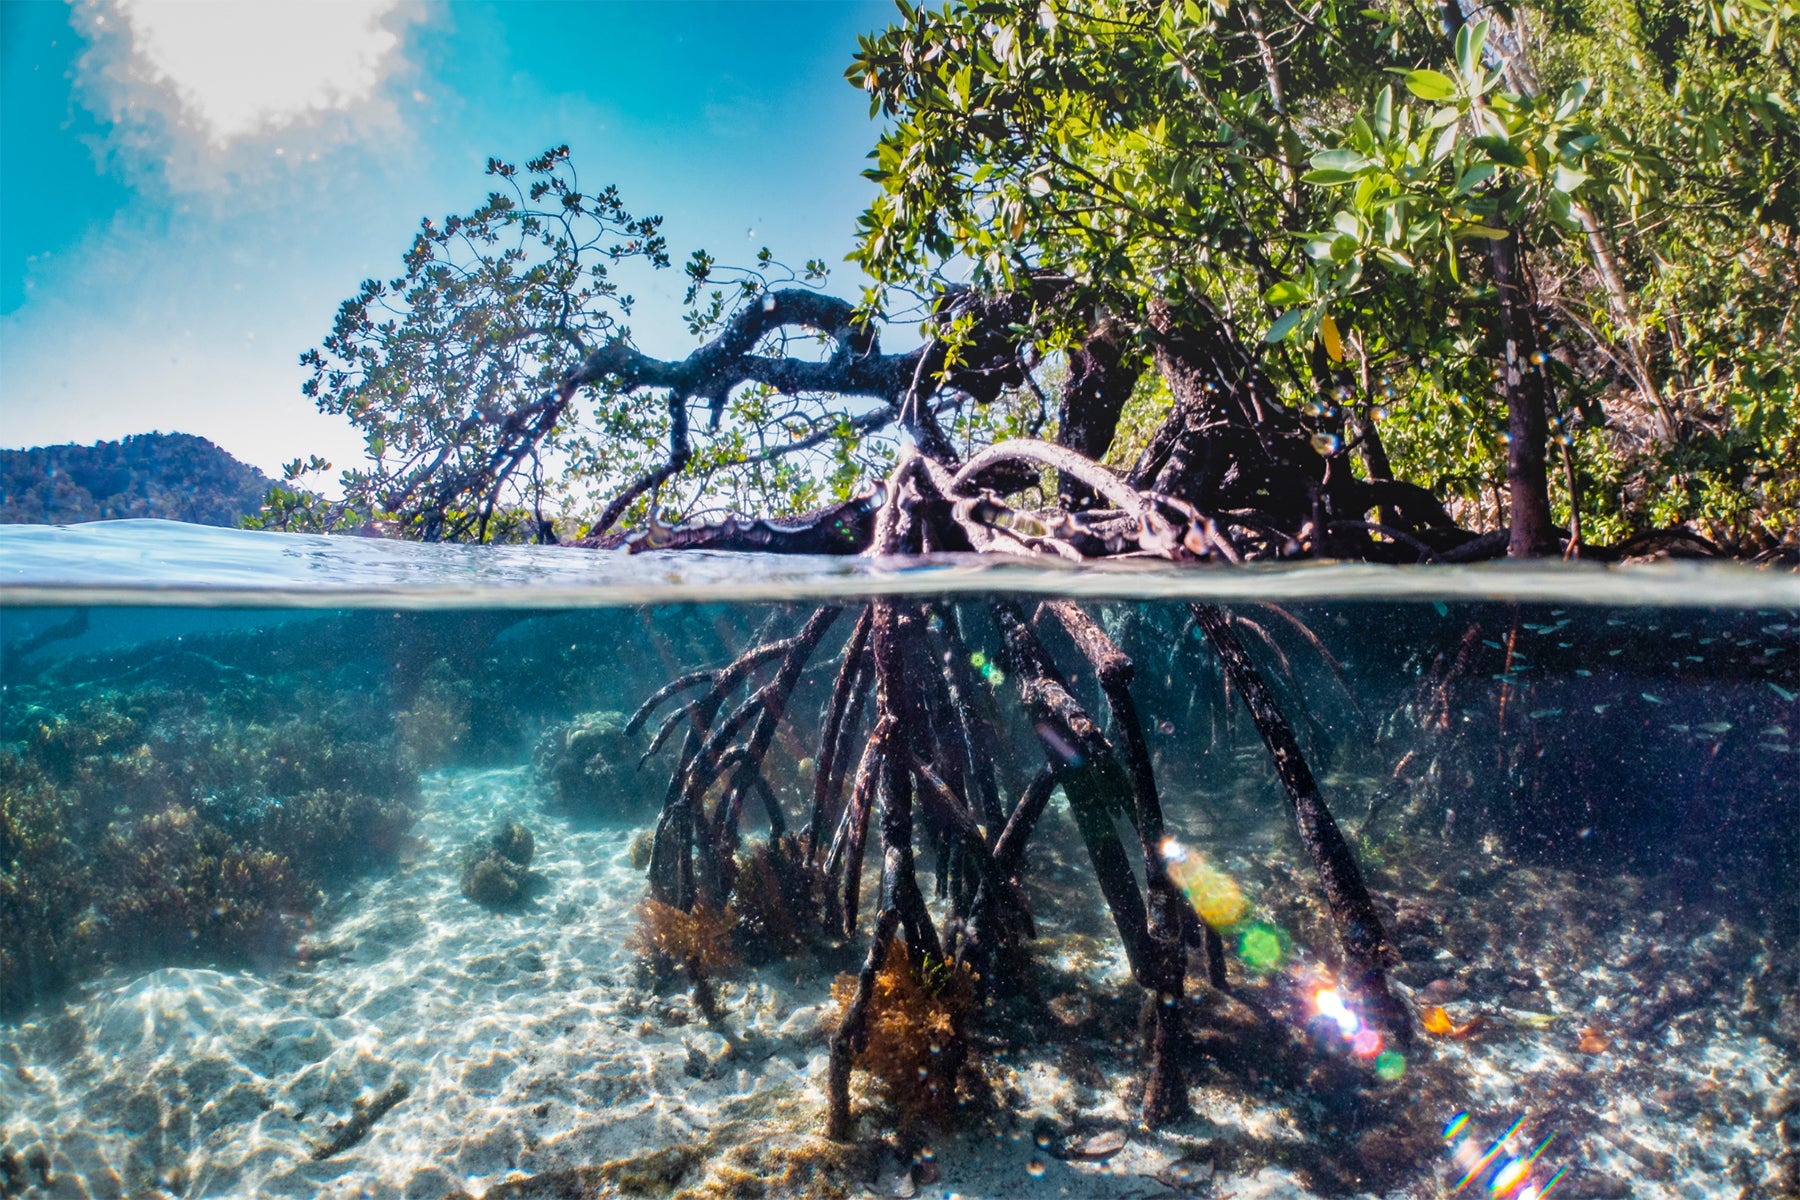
{"x": 1214, "y": 894}
{"x": 1502, "y": 1170}
{"x": 1262, "y": 948}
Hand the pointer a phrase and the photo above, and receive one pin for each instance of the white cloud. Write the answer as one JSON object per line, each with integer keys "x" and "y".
{"x": 208, "y": 90}
{"x": 244, "y": 68}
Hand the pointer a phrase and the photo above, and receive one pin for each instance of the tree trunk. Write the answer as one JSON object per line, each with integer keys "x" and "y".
{"x": 1100, "y": 382}
{"x": 1227, "y": 443}
{"x": 1527, "y": 404}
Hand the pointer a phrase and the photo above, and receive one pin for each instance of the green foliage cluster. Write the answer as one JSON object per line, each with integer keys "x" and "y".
{"x": 1331, "y": 177}
{"x": 169, "y": 825}
{"x": 1434, "y": 218}
{"x": 454, "y": 372}
{"x": 173, "y": 476}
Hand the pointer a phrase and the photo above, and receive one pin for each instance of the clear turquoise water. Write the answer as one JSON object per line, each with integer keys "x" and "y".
{"x": 243, "y": 773}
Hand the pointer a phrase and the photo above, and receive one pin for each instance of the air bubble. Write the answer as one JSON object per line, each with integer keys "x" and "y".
{"x": 1035, "y": 1168}
{"x": 1326, "y": 443}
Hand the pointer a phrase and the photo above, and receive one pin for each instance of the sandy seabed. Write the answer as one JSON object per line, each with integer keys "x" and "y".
{"x": 520, "y": 1054}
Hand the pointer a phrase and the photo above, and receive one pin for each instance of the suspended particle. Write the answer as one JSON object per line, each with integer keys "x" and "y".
{"x": 1390, "y": 1065}
{"x": 1165, "y": 727}
{"x": 978, "y": 660}
{"x": 1326, "y": 443}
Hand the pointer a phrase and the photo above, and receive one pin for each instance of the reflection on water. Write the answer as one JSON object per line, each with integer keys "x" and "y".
{"x": 347, "y": 901}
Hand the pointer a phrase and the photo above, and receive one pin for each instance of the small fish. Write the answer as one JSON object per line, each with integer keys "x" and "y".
{"x": 1653, "y": 699}
{"x": 1541, "y": 713}
{"x": 1780, "y": 691}
{"x": 1532, "y": 1020}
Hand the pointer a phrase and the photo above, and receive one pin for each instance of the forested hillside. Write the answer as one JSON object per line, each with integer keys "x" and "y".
{"x": 173, "y": 475}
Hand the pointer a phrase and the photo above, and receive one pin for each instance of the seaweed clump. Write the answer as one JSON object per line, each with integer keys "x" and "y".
{"x": 496, "y": 869}
{"x": 915, "y": 1035}
{"x": 699, "y": 942}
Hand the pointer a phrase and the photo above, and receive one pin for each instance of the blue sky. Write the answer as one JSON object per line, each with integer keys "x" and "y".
{"x": 189, "y": 190}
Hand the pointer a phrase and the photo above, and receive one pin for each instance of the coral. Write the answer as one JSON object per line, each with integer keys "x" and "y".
{"x": 174, "y": 886}
{"x": 589, "y": 765}
{"x": 777, "y": 898}
{"x": 917, "y": 1023}
{"x": 42, "y": 886}
{"x": 496, "y": 868}
{"x": 436, "y": 722}
{"x": 146, "y": 821}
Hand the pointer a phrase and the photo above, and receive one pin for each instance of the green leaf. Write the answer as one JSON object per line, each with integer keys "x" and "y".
{"x": 1483, "y": 231}
{"x": 1285, "y": 294}
{"x": 1474, "y": 177}
{"x": 1572, "y": 97}
{"x": 1446, "y": 142}
{"x": 1340, "y": 160}
{"x": 1396, "y": 260}
{"x": 1469, "y": 40}
{"x": 1343, "y": 248}
{"x": 1327, "y": 178}
{"x": 1383, "y": 122}
{"x": 1284, "y": 325}
{"x": 1431, "y": 85}
{"x": 1501, "y": 150}
{"x": 1567, "y": 179}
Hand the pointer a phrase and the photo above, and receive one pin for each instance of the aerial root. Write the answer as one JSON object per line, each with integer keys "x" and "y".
{"x": 1367, "y": 952}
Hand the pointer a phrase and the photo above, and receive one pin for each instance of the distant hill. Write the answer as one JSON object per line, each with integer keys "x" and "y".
{"x": 176, "y": 476}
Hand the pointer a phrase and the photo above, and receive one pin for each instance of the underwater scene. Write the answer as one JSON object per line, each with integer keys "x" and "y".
{"x": 335, "y": 869}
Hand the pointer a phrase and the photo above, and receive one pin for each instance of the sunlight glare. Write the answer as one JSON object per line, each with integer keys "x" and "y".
{"x": 239, "y": 69}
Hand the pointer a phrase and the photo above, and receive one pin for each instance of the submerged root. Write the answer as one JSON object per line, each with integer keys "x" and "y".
{"x": 906, "y": 1024}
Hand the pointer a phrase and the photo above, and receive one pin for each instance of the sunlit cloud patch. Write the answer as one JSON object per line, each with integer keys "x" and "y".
{"x": 238, "y": 69}
{"x": 193, "y": 84}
